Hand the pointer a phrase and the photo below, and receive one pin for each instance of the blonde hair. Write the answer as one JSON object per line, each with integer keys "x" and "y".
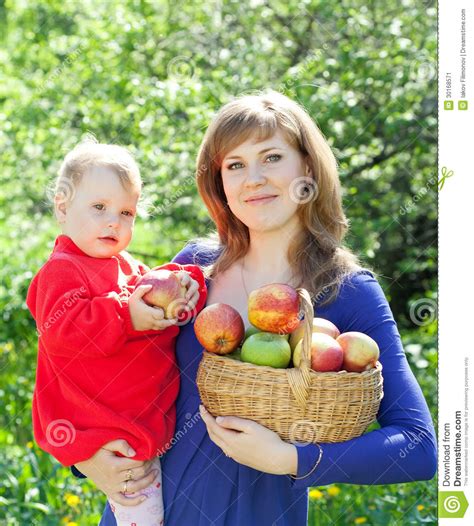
{"x": 92, "y": 154}
{"x": 317, "y": 257}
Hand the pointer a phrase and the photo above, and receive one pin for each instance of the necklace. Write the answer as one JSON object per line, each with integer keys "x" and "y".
{"x": 243, "y": 278}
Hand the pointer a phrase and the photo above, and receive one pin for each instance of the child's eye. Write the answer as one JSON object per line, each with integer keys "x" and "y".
{"x": 127, "y": 213}
{"x": 273, "y": 157}
{"x": 235, "y": 166}
{"x": 99, "y": 206}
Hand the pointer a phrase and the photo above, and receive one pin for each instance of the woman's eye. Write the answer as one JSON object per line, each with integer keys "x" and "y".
{"x": 234, "y": 166}
{"x": 99, "y": 207}
{"x": 273, "y": 157}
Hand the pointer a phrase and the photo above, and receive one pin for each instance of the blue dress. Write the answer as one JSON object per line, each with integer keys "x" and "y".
{"x": 203, "y": 487}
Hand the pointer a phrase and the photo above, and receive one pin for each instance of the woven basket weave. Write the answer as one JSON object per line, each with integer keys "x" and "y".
{"x": 299, "y": 404}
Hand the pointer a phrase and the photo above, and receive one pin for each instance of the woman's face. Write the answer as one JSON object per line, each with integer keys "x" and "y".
{"x": 259, "y": 182}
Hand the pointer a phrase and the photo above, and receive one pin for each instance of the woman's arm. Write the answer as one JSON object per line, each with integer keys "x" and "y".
{"x": 251, "y": 444}
{"x": 403, "y": 450}
{"x": 109, "y": 472}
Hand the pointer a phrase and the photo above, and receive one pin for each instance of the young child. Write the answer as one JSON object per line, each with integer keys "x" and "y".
{"x": 106, "y": 366}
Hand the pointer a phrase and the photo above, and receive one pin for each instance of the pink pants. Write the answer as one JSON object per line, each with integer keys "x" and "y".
{"x": 148, "y": 513}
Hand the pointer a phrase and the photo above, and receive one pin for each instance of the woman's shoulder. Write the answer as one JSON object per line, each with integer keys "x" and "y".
{"x": 357, "y": 288}
{"x": 200, "y": 252}
{"x": 360, "y": 297}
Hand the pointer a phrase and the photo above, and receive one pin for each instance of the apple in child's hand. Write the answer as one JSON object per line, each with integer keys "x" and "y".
{"x": 361, "y": 352}
{"x": 167, "y": 292}
{"x": 326, "y": 353}
{"x": 266, "y": 348}
{"x": 274, "y": 308}
{"x": 319, "y": 325}
{"x": 219, "y": 328}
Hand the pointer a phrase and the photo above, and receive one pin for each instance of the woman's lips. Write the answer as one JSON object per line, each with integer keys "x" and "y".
{"x": 261, "y": 200}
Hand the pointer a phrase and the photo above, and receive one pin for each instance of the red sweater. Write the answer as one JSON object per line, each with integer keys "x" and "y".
{"x": 97, "y": 378}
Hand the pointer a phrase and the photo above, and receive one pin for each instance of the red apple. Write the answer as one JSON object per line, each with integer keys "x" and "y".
{"x": 274, "y": 308}
{"x": 361, "y": 352}
{"x": 219, "y": 328}
{"x": 319, "y": 325}
{"x": 166, "y": 292}
{"x": 326, "y": 353}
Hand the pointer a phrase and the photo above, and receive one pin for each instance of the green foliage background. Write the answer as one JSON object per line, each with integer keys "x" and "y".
{"x": 150, "y": 75}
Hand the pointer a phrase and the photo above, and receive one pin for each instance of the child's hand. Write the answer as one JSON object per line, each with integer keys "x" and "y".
{"x": 145, "y": 317}
{"x": 192, "y": 293}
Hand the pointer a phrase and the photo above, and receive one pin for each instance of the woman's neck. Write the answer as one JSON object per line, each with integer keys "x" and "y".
{"x": 267, "y": 257}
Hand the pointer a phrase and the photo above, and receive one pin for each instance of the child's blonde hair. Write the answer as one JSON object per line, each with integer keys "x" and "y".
{"x": 92, "y": 154}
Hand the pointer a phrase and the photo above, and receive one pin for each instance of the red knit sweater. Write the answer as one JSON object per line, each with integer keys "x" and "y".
{"x": 97, "y": 378}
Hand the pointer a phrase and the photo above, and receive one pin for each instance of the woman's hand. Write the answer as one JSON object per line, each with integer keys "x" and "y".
{"x": 251, "y": 444}
{"x": 109, "y": 472}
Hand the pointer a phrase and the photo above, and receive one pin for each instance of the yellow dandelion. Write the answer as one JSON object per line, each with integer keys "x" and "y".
{"x": 360, "y": 520}
{"x": 420, "y": 507}
{"x": 29, "y": 445}
{"x": 72, "y": 524}
{"x": 65, "y": 520}
{"x": 315, "y": 494}
{"x": 334, "y": 491}
{"x": 71, "y": 500}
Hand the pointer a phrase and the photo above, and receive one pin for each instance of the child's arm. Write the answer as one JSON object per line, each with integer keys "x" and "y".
{"x": 71, "y": 321}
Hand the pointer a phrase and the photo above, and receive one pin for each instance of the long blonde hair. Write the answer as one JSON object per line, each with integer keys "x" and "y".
{"x": 316, "y": 255}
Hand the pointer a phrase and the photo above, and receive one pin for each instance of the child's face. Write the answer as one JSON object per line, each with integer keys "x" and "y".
{"x": 101, "y": 215}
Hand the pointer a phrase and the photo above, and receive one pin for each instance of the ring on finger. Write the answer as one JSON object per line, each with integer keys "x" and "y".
{"x": 129, "y": 475}
{"x": 124, "y": 491}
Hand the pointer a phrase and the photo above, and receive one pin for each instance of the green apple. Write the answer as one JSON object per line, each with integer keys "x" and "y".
{"x": 266, "y": 348}
{"x": 251, "y": 330}
{"x": 236, "y": 355}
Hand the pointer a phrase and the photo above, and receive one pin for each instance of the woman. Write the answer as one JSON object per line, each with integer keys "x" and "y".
{"x": 270, "y": 183}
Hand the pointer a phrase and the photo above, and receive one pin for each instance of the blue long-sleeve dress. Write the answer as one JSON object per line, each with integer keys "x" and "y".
{"x": 203, "y": 487}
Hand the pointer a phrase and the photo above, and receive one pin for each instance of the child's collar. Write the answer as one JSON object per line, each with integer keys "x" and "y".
{"x": 64, "y": 243}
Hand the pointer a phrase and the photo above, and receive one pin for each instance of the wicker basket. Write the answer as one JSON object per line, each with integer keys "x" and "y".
{"x": 301, "y": 405}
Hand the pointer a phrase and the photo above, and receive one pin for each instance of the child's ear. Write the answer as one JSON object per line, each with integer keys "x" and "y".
{"x": 60, "y": 209}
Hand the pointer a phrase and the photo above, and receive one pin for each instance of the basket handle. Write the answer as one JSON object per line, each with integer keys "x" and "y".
{"x": 299, "y": 378}
{"x": 307, "y": 307}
